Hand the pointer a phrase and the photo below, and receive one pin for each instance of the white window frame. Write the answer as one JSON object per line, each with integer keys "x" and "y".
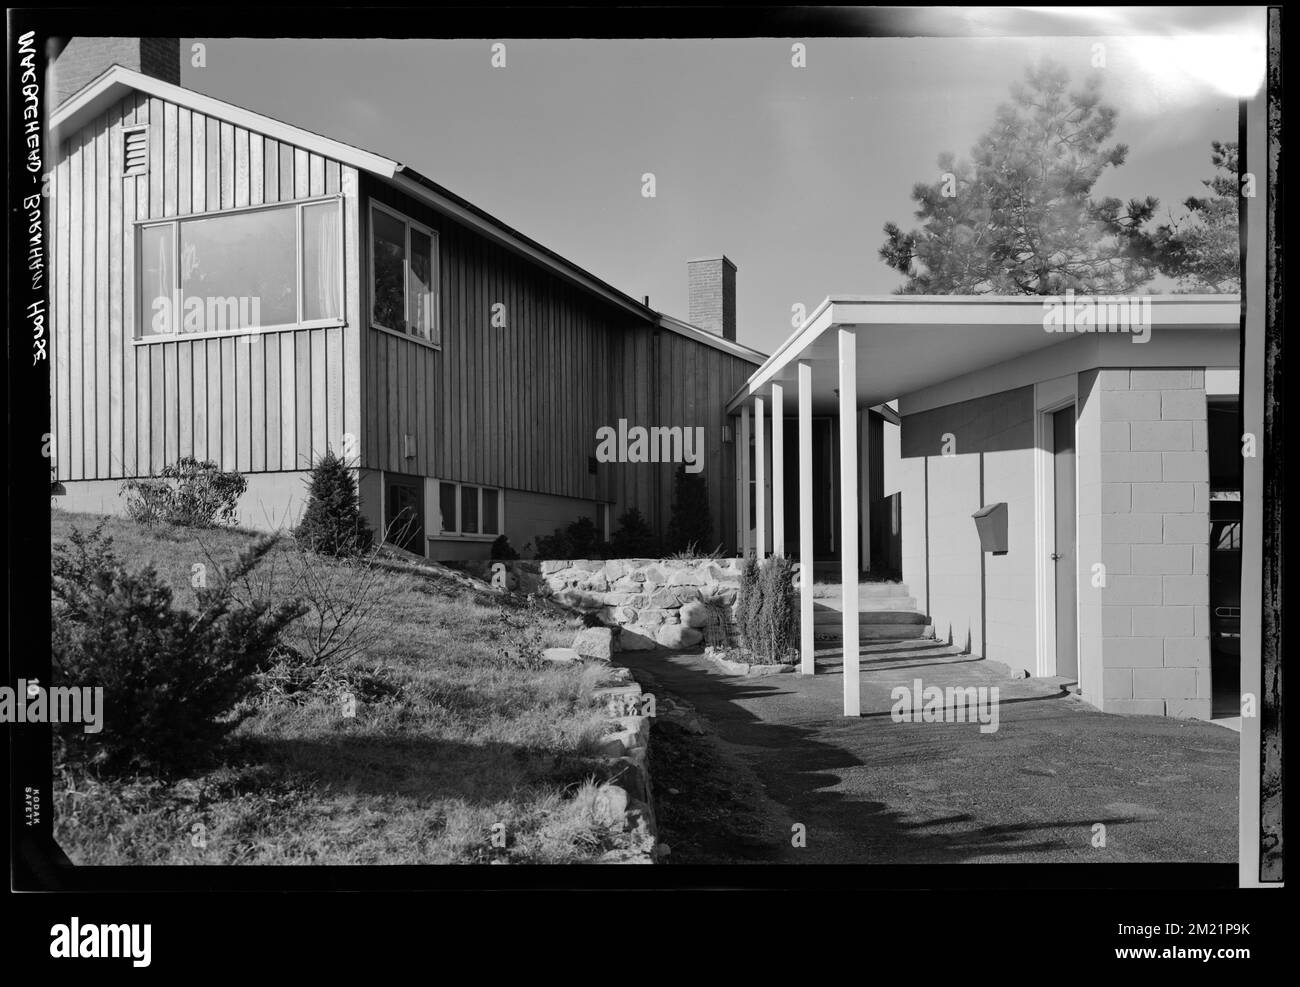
{"x": 435, "y": 339}
{"x": 458, "y": 533}
{"x": 141, "y": 338}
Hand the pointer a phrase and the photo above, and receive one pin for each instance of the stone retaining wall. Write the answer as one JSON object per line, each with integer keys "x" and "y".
{"x": 653, "y": 602}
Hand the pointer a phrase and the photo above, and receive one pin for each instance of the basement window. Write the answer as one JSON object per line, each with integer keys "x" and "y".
{"x": 266, "y": 267}
{"x": 135, "y": 151}
{"x": 470, "y": 510}
{"x": 403, "y": 275}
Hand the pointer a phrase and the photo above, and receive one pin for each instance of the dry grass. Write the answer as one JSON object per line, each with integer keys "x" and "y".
{"x": 471, "y": 731}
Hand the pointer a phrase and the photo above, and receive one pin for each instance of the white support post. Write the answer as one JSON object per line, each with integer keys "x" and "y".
{"x": 849, "y": 517}
{"x": 865, "y": 452}
{"x": 778, "y": 469}
{"x": 806, "y": 564}
{"x": 740, "y": 510}
{"x": 760, "y": 475}
{"x": 746, "y": 524}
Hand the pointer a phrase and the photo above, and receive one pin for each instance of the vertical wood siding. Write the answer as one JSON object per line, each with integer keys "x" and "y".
{"x": 268, "y": 401}
{"x": 519, "y": 406}
{"x": 516, "y": 406}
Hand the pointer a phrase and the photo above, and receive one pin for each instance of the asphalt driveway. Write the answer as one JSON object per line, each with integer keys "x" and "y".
{"x": 777, "y": 754}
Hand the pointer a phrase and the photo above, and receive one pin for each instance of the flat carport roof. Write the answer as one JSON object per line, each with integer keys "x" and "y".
{"x": 909, "y": 342}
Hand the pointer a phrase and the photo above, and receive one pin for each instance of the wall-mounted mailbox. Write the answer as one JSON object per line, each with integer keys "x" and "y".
{"x": 991, "y": 523}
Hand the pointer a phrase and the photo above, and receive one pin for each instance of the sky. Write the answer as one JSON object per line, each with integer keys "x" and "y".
{"x": 790, "y": 172}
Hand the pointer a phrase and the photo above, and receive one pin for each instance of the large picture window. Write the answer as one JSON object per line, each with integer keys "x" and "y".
{"x": 403, "y": 275}
{"x": 468, "y": 509}
{"x": 261, "y": 268}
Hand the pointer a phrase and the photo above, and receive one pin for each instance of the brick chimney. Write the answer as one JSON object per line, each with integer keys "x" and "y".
{"x": 712, "y": 285}
{"x": 83, "y": 60}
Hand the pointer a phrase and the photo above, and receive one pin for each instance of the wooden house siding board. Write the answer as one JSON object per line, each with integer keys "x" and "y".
{"x": 229, "y": 412}
{"x": 257, "y": 395}
{"x": 157, "y": 144}
{"x": 303, "y": 398}
{"x": 256, "y": 170}
{"x": 333, "y": 382}
{"x": 60, "y": 345}
{"x": 212, "y": 163}
{"x": 103, "y": 338}
{"x": 241, "y": 166}
{"x": 185, "y": 398}
{"x": 171, "y": 401}
{"x": 274, "y": 440}
{"x": 199, "y": 391}
{"x": 130, "y": 448}
{"x": 242, "y": 386}
{"x": 198, "y": 162}
{"x": 171, "y": 155}
{"x": 301, "y": 177}
{"x": 86, "y": 327}
{"x": 288, "y": 403}
{"x": 286, "y": 172}
{"x": 316, "y": 174}
{"x": 226, "y": 162}
{"x": 270, "y": 170}
{"x": 319, "y": 385}
{"x": 184, "y": 148}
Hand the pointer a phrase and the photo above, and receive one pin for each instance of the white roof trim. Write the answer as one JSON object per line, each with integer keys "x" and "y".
{"x": 1191, "y": 311}
{"x": 118, "y": 82}
{"x": 447, "y": 206}
{"x": 709, "y": 339}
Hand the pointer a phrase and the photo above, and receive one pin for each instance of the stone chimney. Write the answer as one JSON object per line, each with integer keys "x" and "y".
{"x": 712, "y": 284}
{"x": 83, "y": 60}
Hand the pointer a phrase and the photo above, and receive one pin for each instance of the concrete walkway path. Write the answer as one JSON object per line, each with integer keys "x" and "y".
{"x": 872, "y": 790}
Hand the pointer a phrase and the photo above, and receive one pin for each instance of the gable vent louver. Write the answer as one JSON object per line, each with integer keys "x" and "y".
{"x": 135, "y": 152}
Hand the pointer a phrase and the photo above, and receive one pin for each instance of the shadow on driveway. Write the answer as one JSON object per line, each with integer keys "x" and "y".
{"x": 1056, "y": 778}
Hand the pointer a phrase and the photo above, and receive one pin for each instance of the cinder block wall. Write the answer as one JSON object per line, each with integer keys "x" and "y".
{"x": 1144, "y": 514}
{"x": 992, "y": 461}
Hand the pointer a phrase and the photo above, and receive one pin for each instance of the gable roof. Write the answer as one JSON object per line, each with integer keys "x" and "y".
{"x": 117, "y": 82}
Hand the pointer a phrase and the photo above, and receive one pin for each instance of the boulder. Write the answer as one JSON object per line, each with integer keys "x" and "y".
{"x": 685, "y": 577}
{"x": 610, "y": 806}
{"x": 678, "y": 636}
{"x": 696, "y": 614}
{"x": 637, "y": 637}
{"x": 562, "y": 655}
{"x": 663, "y": 600}
{"x": 594, "y": 642}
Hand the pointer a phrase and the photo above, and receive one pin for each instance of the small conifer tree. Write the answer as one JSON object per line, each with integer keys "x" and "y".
{"x": 332, "y": 523}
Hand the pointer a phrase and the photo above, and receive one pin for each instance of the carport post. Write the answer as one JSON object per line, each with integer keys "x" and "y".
{"x": 849, "y": 516}
{"x": 806, "y": 664}
{"x": 760, "y": 476}
{"x": 778, "y": 469}
{"x": 746, "y": 532}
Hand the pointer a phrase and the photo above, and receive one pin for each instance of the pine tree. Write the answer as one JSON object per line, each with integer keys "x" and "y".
{"x": 1018, "y": 216}
{"x": 332, "y": 523}
{"x": 1203, "y": 250}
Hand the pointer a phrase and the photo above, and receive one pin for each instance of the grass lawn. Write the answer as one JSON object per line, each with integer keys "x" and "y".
{"x": 461, "y": 728}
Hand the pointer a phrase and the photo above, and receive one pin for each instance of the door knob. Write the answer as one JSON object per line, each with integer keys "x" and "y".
{"x": 1056, "y": 556}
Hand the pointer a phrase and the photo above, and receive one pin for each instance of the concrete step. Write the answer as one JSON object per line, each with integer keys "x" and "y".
{"x": 870, "y": 604}
{"x": 829, "y": 616}
{"x": 868, "y": 633}
{"x": 876, "y": 590}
